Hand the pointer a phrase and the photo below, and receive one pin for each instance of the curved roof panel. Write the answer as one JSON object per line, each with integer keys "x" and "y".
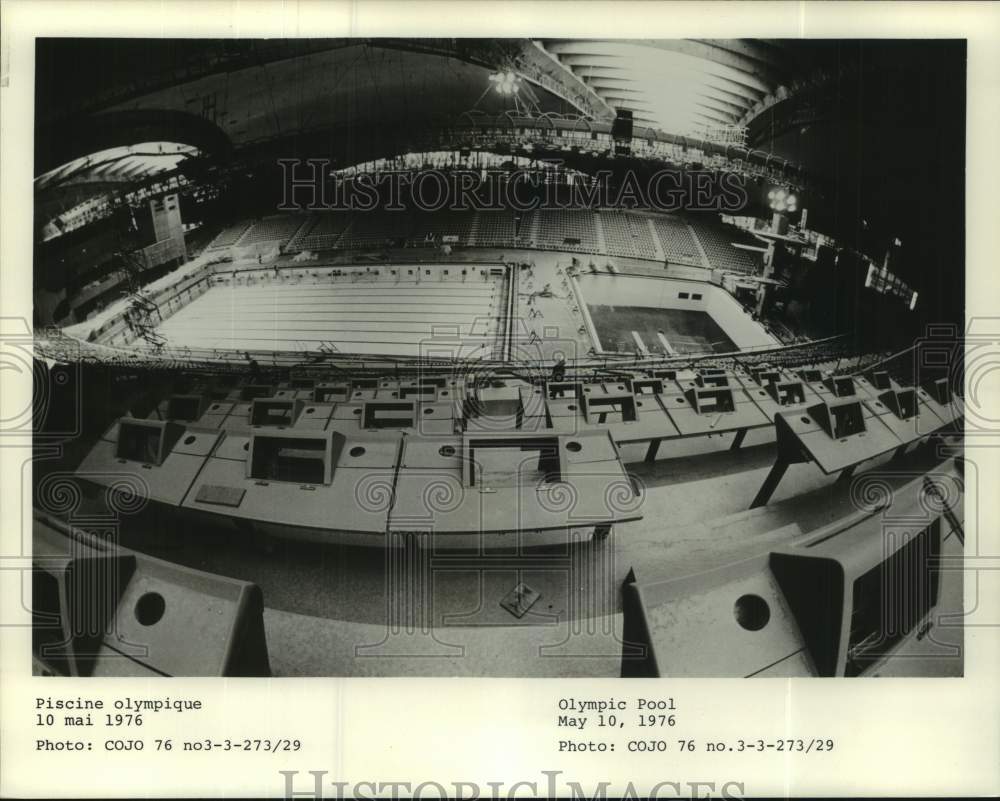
{"x": 681, "y": 86}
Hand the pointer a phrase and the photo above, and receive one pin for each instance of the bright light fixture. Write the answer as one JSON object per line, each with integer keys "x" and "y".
{"x": 780, "y": 199}
{"x": 506, "y": 83}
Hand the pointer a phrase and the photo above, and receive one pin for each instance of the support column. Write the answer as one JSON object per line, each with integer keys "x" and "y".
{"x": 738, "y": 440}
{"x": 770, "y": 484}
{"x": 845, "y": 474}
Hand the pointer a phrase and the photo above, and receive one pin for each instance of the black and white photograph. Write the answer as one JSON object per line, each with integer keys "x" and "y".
{"x": 498, "y": 357}
{"x": 475, "y": 393}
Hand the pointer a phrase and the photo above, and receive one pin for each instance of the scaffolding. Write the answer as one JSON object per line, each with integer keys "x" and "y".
{"x": 142, "y": 315}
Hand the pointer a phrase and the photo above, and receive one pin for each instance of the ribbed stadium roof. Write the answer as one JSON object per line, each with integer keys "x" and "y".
{"x": 680, "y": 86}
{"x": 118, "y": 164}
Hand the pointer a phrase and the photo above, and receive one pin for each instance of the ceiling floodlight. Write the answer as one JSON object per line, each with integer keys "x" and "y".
{"x": 781, "y": 199}
{"x": 506, "y": 83}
